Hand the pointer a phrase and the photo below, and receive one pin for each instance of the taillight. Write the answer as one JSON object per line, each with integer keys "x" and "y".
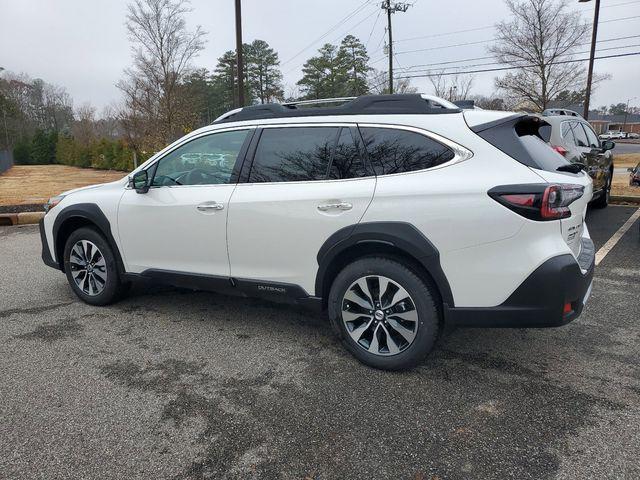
{"x": 560, "y": 149}
{"x": 538, "y": 201}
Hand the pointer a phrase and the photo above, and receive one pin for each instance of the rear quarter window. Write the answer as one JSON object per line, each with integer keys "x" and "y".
{"x": 393, "y": 150}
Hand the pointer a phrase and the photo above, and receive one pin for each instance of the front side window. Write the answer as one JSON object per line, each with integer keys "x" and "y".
{"x": 207, "y": 160}
{"x": 293, "y": 154}
{"x": 580, "y": 136}
{"x": 591, "y": 136}
{"x": 399, "y": 151}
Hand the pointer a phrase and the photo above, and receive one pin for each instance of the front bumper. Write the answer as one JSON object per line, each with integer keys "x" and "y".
{"x": 47, "y": 258}
{"x": 540, "y": 300}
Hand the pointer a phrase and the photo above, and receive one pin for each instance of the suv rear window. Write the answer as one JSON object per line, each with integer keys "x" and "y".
{"x": 393, "y": 150}
{"x": 524, "y": 138}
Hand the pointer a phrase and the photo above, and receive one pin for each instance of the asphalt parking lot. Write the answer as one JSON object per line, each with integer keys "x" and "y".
{"x": 177, "y": 384}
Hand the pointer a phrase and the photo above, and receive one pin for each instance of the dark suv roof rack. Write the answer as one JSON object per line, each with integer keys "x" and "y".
{"x": 364, "y": 105}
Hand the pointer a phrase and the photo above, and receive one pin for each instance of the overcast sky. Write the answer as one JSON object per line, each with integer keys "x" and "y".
{"x": 83, "y": 46}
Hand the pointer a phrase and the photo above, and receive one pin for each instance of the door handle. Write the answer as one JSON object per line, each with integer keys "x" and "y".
{"x": 210, "y": 206}
{"x": 335, "y": 206}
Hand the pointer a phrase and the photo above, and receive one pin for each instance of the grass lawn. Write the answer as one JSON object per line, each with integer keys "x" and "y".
{"x": 35, "y": 184}
{"x": 620, "y": 185}
{"x": 626, "y": 160}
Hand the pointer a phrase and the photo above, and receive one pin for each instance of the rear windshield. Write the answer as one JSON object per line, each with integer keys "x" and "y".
{"x": 524, "y": 138}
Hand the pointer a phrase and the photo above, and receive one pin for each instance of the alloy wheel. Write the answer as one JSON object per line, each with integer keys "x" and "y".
{"x": 379, "y": 315}
{"x": 88, "y": 267}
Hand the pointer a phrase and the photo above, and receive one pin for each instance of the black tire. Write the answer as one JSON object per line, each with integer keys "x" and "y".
{"x": 112, "y": 289}
{"x": 421, "y": 294}
{"x": 603, "y": 200}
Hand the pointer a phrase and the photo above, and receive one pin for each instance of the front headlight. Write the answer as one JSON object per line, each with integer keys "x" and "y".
{"x": 53, "y": 201}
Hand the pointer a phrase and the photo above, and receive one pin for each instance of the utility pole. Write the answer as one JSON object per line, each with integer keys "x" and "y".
{"x": 392, "y": 8}
{"x": 626, "y": 112}
{"x": 239, "y": 54}
{"x": 594, "y": 35}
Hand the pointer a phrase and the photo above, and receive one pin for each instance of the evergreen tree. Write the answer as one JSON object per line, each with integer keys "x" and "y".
{"x": 264, "y": 76}
{"x": 353, "y": 60}
{"x": 323, "y": 76}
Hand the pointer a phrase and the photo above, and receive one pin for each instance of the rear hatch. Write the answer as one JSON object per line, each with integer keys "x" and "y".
{"x": 525, "y": 139}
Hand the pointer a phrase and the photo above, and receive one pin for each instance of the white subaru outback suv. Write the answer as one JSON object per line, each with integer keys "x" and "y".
{"x": 398, "y": 214}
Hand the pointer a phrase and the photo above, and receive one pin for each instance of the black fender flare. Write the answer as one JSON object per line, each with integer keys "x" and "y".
{"x": 91, "y": 213}
{"x": 401, "y": 235}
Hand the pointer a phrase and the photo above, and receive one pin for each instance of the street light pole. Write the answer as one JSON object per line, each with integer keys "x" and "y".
{"x": 239, "y": 53}
{"x": 594, "y": 35}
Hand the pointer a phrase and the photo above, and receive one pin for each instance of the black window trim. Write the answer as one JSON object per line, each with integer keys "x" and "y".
{"x": 460, "y": 153}
{"x": 152, "y": 166}
{"x": 251, "y": 154}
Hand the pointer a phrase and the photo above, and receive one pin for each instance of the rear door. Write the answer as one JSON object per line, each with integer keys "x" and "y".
{"x": 305, "y": 183}
{"x": 590, "y": 157}
{"x": 597, "y": 158}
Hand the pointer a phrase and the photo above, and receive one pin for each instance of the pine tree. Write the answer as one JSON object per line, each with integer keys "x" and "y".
{"x": 323, "y": 76}
{"x": 353, "y": 60}
{"x": 264, "y": 76}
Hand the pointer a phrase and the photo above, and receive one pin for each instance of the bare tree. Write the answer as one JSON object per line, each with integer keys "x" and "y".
{"x": 163, "y": 51}
{"x": 451, "y": 87}
{"x": 541, "y": 35}
{"x": 379, "y": 83}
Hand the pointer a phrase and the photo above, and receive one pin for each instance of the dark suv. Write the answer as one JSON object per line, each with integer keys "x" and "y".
{"x": 574, "y": 139}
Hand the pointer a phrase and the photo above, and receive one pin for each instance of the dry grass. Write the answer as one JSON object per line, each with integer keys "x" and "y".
{"x": 626, "y": 160}
{"x": 620, "y": 186}
{"x": 26, "y": 184}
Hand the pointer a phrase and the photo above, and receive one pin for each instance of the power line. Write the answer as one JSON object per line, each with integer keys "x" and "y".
{"x": 337, "y": 25}
{"x": 487, "y": 27}
{"x": 491, "y": 56}
{"x": 409, "y": 69}
{"x": 373, "y": 28}
{"x": 520, "y": 66}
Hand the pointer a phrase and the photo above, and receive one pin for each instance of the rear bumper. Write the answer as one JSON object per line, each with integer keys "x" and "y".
{"x": 47, "y": 258}
{"x": 539, "y": 301}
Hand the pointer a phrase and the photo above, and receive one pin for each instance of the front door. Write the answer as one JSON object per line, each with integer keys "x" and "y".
{"x": 179, "y": 225}
{"x": 305, "y": 183}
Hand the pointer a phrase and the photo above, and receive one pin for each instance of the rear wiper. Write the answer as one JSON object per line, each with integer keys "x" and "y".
{"x": 571, "y": 168}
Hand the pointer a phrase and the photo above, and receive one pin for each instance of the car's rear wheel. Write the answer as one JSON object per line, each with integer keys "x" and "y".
{"x": 91, "y": 268}
{"x": 384, "y": 313}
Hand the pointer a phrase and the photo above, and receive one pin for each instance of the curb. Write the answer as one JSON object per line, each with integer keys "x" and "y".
{"x": 23, "y": 218}
{"x": 634, "y": 199}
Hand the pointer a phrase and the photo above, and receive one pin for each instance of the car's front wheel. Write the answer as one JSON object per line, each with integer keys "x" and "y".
{"x": 384, "y": 313}
{"x": 603, "y": 200}
{"x": 91, "y": 268}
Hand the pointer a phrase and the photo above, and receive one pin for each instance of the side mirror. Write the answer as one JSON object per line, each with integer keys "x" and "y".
{"x": 140, "y": 181}
{"x": 607, "y": 145}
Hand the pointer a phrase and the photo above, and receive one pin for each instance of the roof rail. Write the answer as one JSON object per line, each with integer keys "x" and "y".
{"x": 364, "y": 105}
{"x": 320, "y": 101}
{"x": 560, "y": 111}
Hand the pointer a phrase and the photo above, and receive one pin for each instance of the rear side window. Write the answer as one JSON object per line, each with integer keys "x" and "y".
{"x": 581, "y": 137}
{"x": 567, "y": 132}
{"x": 293, "y": 154}
{"x": 591, "y": 136}
{"x": 392, "y": 150}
